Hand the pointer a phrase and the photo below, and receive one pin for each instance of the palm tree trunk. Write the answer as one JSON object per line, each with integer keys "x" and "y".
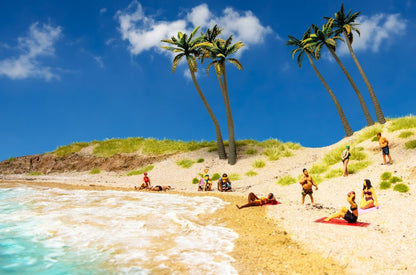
{"x": 232, "y": 158}
{"x": 376, "y": 104}
{"x": 354, "y": 86}
{"x": 220, "y": 144}
{"x": 344, "y": 121}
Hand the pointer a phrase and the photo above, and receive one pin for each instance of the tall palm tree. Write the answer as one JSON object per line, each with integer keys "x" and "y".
{"x": 324, "y": 38}
{"x": 344, "y": 23}
{"x": 188, "y": 47}
{"x": 301, "y": 51}
{"x": 220, "y": 50}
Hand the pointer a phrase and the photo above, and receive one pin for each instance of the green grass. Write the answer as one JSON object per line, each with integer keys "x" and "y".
{"x": 286, "y": 180}
{"x": 395, "y": 179}
{"x": 251, "y": 173}
{"x": 95, "y": 171}
{"x": 275, "y": 149}
{"x": 317, "y": 178}
{"x": 251, "y": 151}
{"x": 386, "y": 176}
{"x": 369, "y": 133}
{"x": 385, "y": 185}
{"x": 259, "y": 164}
{"x": 333, "y": 173}
{"x": 195, "y": 181}
{"x": 402, "y": 123}
{"x": 319, "y": 168}
{"x": 200, "y": 160}
{"x": 35, "y": 174}
{"x": 406, "y": 134}
{"x": 401, "y": 187}
{"x": 374, "y": 139}
{"x": 71, "y": 148}
{"x": 246, "y": 142}
{"x": 141, "y": 170}
{"x": 234, "y": 176}
{"x": 185, "y": 163}
{"x": 12, "y": 159}
{"x": 212, "y": 149}
{"x": 354, "y": 167}
{"x": 410, "y": 144}
{"x": 216, "y": 176}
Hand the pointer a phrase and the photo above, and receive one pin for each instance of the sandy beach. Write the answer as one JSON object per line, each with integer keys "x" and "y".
{"x": 284, "y": 239}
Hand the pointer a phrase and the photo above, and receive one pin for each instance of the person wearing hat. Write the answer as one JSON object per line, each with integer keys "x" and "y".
{"x": 224, "y": 184}
{"x": 345, "y": 156}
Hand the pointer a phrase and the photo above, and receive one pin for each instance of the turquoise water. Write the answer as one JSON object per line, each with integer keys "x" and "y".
{"x": 56, "y": 231}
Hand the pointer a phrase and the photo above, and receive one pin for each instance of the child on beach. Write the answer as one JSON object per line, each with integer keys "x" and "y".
{"x": 224, "y": 183}
{"x": 368, "y": 196}
{"x": 345, "y": 157}
{"x": 350, "y": 215}
{"x": 253, "y": 200}
{"x": 384, "y": 144}
{"x": 307, "y": 182}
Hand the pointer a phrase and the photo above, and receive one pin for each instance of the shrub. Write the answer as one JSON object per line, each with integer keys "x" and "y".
{"x": 402, "y": 123}
{"x": 401, "y": 187}
{"x": 259, "y": 164}
{"x": 185, "y": 163}
{"x": 334, "y": 173}
{"x": 357, "y": 166}
{"x": 395, "y": 179}
{"x": 385, "y": 185}
{"x": 250, "y": 151}
{"x": 385, "y": 176}
{"x": 410, "y": 144}
{"x": 216, "y": 176}
{"x": 200, "y": 160}
{"x": 406, "y": 134}
{"x": 140, "y": 171}
{"x": 234, "y": 176}
{"x": 251, "y": 174}
{"x": 293, "y": 146}
{"x": 195, "y": 181}
{"x": 37, "y": 173}
{"x": 95, "y": 171}
{"x": 286, "y": 180}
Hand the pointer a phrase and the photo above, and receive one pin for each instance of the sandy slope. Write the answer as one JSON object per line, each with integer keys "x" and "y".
{"x": 387, "y": 246}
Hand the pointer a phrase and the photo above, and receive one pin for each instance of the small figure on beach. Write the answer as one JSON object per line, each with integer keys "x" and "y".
{"x": 160, "y": 188}
{"x": 253, "y": 200}
{"x": 307, "y": 182}
{"x": 350, "y": 215}
{"x": 205, "y": 183}
{"x": 345, "y": 156}
{"x": 224, "y": 184}
{"x": 368, "y": 196}
{"x": 384, "y": 144}
{"x": 146, "y": 182}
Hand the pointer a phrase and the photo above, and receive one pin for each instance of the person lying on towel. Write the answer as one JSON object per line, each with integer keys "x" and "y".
{"x": 350, "y": 215}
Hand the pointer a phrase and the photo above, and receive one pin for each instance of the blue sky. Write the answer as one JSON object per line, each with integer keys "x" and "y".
{"x": 73, "y": 71}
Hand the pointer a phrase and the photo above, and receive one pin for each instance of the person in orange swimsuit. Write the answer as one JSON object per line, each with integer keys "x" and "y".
{"x": 253, "y": 200}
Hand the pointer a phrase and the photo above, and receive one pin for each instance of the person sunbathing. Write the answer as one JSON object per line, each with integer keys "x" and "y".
{"x": 160, "y": 188}
{"x": 350, "y": 215}
{"x": 253, "y": 200}
{"x": 368, "y": 196}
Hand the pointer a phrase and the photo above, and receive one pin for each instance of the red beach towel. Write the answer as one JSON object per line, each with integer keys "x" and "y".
{"x": 272, "y": 203}
{"x": 342, "y": 222}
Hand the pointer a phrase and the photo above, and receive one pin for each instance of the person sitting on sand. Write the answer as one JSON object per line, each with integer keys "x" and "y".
{"x": 307, "y": 182}
{"x": 253, "y": 200}
{"x": 205, "y": 183}
{"x": 160, "y": 188}
{"x": 384, "y": 144}
{"x": 224, "y": 184}
{"x": 350, "y": 215}
{"x": 345, "y": 157}
{"x": 146, "y": 183}
{"x": 368, "y": 196}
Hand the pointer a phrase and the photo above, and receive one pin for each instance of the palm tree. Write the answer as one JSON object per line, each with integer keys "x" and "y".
{"x": 324, "y": 38}
{"x": 188, "y": 47}
{"x": 344, "y": 23}
{"x": 220, "y": 50}
{"x": 300, "y": 51}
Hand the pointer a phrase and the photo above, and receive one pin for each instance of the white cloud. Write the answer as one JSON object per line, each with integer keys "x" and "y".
{"x": 103, "y": 10}
{"x": 99, "y": 61}
{"x": 144, "y": 33}
{"x": 38, "y": 43}
{"x": 376, "y": 31}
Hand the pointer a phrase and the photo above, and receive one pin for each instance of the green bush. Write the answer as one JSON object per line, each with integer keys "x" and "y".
{"x": 259, "y": 164}
{"x": 234, "y": 176}
{"x": 410, "y": 144}
{"x": 35, "y": 173}
{"x": 395, "y": 179}
{"x": 95, "y": 171}
{"x": 402, "y": 123}
{"x": 216, "y": 176}
{"x": 250, "y": 151}
{"x": 200, "y": 160}
{"x": 286, "y": 180}
{"x": 195, "y": 181}
{"x": 385, "y": 176}
{"x": 141, "y": 170}
{"x": 406, "y": 134}
{"x": 385, "y": 185}
{"x": 401, "y": 187}
{"x": 251, "y": 174}
{"x": 185, "y": 163}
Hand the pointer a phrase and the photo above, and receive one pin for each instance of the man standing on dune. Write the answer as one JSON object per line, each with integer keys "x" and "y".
{"x": 384, "y": 144}
{"x": 307, "y": 182}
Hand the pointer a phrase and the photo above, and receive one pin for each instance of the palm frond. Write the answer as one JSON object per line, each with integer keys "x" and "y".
{"x": 176, "y": 61}
{"x": 236, "y": 63}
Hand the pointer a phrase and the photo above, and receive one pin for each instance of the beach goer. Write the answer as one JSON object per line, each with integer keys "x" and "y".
{"x": 384, "y": 144}
{"x": 350, "y": 215}
{"x": 253, "y": 200}
{"x": 368, "y": 196}
{"x": 146, "y": 182}
{"x": 345, "y": 156}
{"x": 160, "y": 188}
{"x": 307, "y": 182}
{"x": 224, "y": 183}
{"x": 206, "y": 183}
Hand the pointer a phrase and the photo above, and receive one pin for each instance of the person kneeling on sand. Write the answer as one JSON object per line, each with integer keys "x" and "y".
{"x": 350, "y": 215}
{"x": 253, "y": 200}
{"x": 146, "y": 183}
{"x": 307, "y": 182}
{"x": 224, "y": 184}
{"x": 368, "y": 196}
